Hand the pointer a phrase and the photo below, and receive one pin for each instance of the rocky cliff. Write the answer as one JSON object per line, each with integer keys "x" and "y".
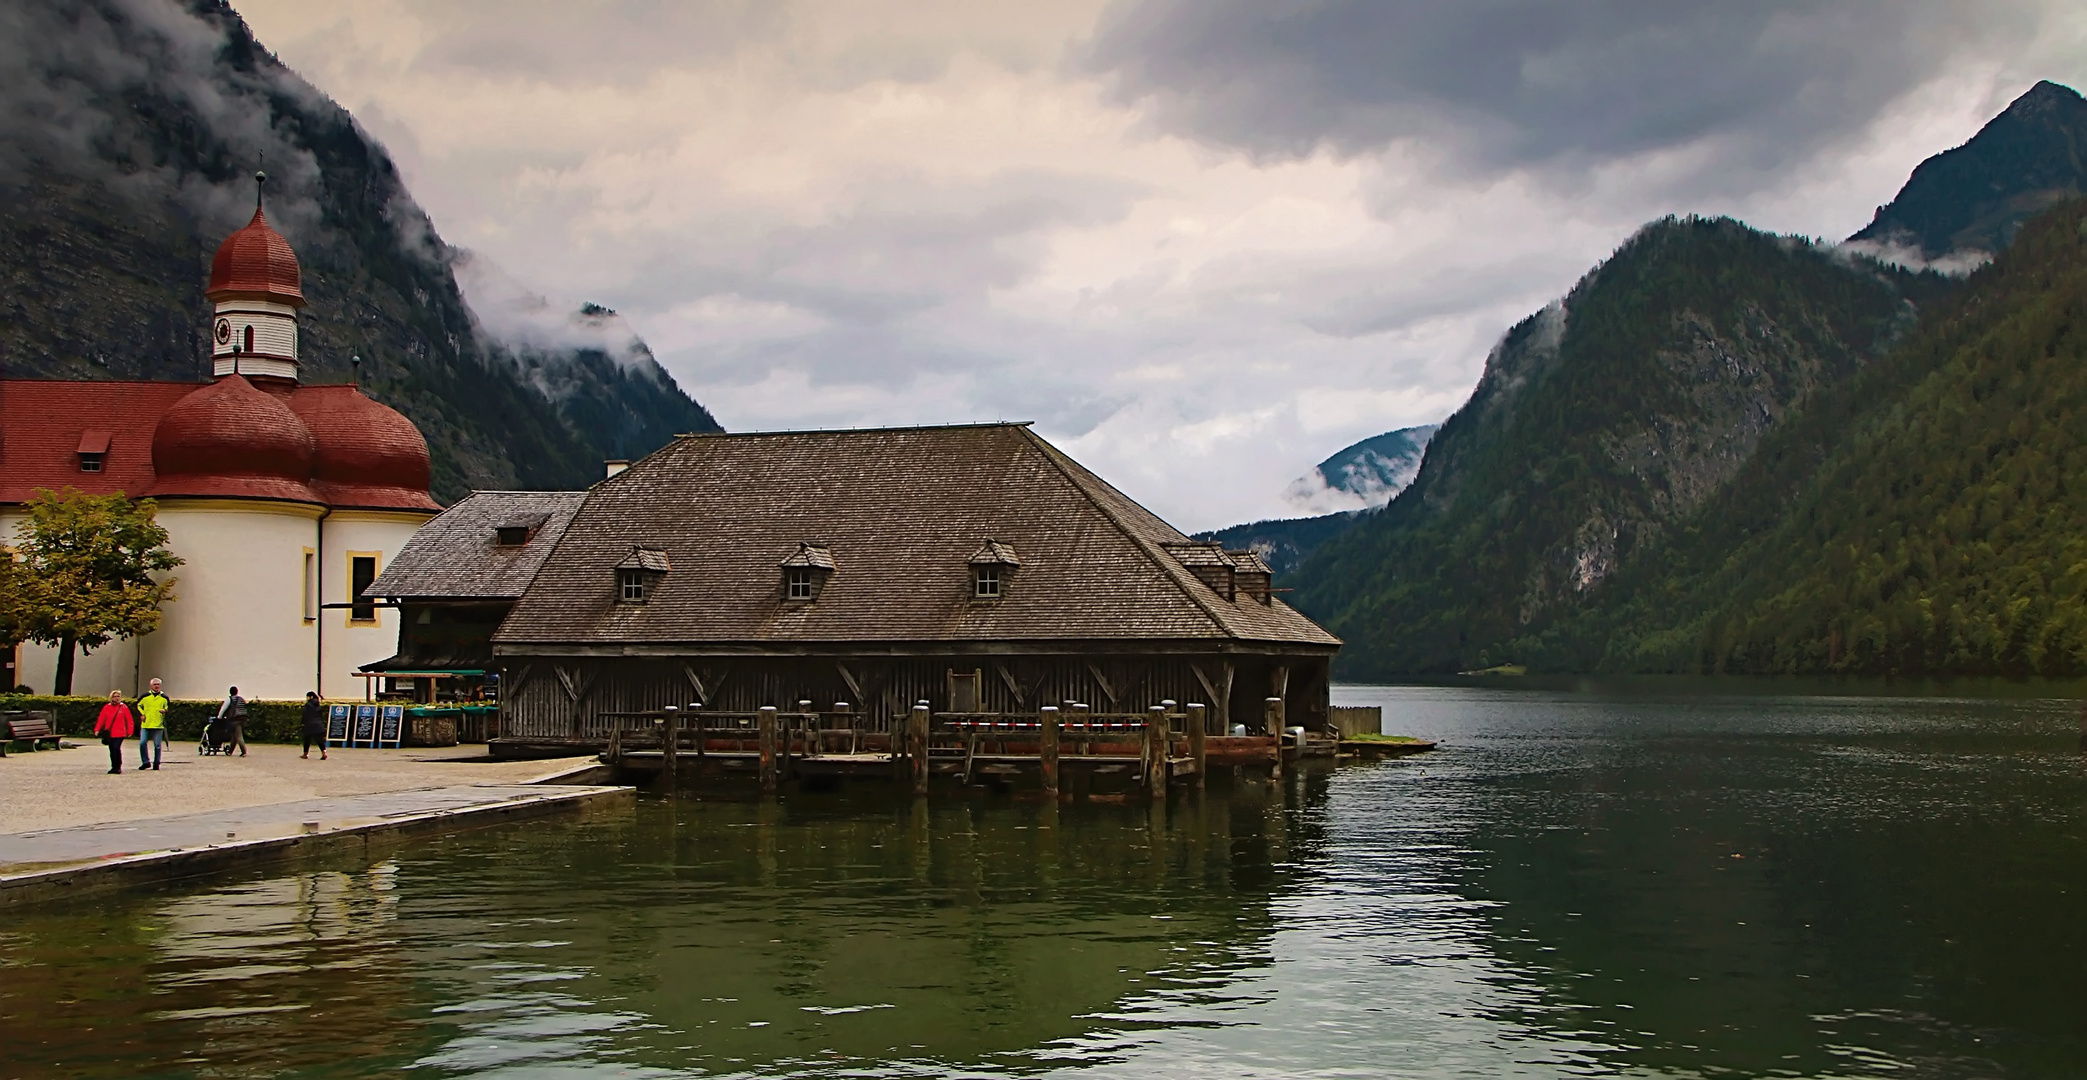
{"x": 128, "y": 133}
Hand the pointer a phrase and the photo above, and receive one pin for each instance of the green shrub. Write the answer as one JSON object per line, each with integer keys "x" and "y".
{"x": 266, "y": 721}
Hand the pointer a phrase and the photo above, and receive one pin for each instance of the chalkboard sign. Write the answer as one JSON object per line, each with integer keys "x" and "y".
{"x": 365, "y": 726}
{"x": 337, "y": 725}
{"x": 390, "y": 725}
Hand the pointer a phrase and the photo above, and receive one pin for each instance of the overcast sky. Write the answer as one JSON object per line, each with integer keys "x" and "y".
{"x": 1202, "y": 243}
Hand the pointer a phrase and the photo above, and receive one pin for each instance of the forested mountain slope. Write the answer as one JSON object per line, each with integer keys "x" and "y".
{"x": 1926, "y": 517}
{"x": 1598, "y": 424}
{"x": 128, "y": 134}
{"x": 1973, "y": 198}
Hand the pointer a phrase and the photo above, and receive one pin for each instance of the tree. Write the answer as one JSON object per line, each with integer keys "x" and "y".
{"x": 86, "y": 575}
{"x": 14, "y": 608}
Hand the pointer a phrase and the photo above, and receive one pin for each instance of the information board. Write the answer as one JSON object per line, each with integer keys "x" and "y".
{"x": 391, "y": 723}
{"x": 337, "y": 725}
{"x": 365, "y": 726}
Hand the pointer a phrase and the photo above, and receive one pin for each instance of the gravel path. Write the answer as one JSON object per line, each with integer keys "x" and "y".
{"x": 59, "y": 788}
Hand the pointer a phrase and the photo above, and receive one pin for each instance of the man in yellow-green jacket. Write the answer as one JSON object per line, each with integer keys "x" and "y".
{"x": 152, "y": 727}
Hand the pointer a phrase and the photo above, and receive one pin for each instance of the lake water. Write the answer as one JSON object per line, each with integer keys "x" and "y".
{"x": 1578, "y": 883}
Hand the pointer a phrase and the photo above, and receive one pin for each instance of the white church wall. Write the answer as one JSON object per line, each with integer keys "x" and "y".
{"x": 351, "y": 642}
{"x": 238, "y": 615}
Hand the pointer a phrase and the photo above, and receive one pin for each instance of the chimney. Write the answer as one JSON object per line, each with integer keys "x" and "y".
{"x": 616, "y": 465}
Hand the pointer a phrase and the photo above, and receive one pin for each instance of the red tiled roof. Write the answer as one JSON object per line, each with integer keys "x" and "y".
{"x": 370, "y": 457}
{"x": 43, "y": 424}
{"x": 227, "y": 439}
{"x": 256, "y": 261}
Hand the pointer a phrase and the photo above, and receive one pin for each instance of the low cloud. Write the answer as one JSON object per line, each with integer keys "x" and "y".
{"x": 1202, "y": 245}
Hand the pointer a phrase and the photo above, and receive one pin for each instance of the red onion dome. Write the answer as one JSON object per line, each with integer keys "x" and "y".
{"x": 369, "y": 457}
{"x": 231, "y": 440}
{"x": 256, "y": 262}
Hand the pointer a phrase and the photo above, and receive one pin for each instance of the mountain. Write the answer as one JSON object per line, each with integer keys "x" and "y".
{"x": 1283, "y": 543}
{"x": 1364, "y": 475}
{"x": 1598, "y": 424}
{"x": 1359, "y": 477}
{"x": 1968, "y": 202}
{"x": 129, "y": 130}
{"x": 1927, "y": 517}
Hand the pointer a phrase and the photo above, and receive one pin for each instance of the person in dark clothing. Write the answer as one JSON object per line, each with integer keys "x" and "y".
{"x": 114, "y": 725}
{"x": 314, "y": 724}
{"x": 233, "y": 713}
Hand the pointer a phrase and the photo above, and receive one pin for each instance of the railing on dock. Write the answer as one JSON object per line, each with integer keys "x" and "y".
{"x": 1165, "y": 743}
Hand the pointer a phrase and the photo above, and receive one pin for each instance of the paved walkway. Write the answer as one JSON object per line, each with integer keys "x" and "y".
{"x": 47, "y": 848}
{"x": 50, "y": 864}
{"x": 57, "y": 788}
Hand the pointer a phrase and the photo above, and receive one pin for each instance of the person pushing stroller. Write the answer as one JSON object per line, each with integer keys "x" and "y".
{"x": 227, "y": 729}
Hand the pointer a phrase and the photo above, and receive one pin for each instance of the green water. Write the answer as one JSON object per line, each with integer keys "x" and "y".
{"x": 1590, "y": 883}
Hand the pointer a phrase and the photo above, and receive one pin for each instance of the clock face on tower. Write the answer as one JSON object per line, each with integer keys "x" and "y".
{"x": 224, "y": 331}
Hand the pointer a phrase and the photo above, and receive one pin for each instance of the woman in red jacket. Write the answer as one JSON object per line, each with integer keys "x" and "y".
{"x": 114, "y": 725}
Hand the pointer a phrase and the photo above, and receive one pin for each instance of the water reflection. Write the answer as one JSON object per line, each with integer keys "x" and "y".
{"x": 1578, "y": 884}
{"x": 822, "y": 933}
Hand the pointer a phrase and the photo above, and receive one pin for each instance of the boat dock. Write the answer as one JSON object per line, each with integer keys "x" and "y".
{"x": 1064, "y": 751}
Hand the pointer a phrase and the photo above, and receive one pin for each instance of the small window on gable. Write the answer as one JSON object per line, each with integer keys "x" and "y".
{"x": 639, "y": 574}
{"x": 806, "y": 572}
{"x": 93, "y": 450}
{"x": 992, "y": 570}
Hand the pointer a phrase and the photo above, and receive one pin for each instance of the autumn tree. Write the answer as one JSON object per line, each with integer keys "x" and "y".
{"x": 87, "y": 573}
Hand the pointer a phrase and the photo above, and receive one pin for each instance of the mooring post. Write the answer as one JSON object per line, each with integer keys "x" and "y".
{"x": 1197, "y": 718}
{"x": 1047, "y": 753}
{"x": 616, "y": 745}
{"x": 1156, "y": 752}
{"x": 670, "y": 730}
{"x": 767, "y": 749}
{"x": 917, "y": 749}
{"x": 1272, "y": 717}
{"x": 695, "y": 715}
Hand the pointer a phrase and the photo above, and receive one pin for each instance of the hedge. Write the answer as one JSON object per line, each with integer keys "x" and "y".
{"x": 266, "y": 721}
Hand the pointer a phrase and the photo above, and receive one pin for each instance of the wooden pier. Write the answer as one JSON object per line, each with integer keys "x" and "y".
{"x": 1062, "y": 750}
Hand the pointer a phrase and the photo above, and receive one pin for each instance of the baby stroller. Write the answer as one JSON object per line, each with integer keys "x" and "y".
{"x": 217, "y": 737}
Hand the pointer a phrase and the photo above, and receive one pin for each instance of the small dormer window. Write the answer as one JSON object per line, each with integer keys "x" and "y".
{"x": 515, "y": 531}
{"x": 93, "y": 450}
{"x": 806, "y": 571}
{"x": 639, "y": 574}
{"x": 992, "y": 570}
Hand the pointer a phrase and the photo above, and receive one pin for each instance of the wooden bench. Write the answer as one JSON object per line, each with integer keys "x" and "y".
{"x": 31, "y": 728}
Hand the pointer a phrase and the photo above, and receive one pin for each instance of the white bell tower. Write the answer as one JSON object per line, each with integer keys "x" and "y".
{"x": 257, "y": 286}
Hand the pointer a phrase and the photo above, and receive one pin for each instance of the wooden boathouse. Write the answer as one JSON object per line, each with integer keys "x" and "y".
{"x": 849, "y": 581}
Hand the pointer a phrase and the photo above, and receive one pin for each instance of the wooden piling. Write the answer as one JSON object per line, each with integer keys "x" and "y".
{"x": 696, "y": 718}
{"x": 1047, "y": 754}
{"x": 768, "y": 733}
{"x": 1156, "y": 752}
{"x": 1272, "y": 719}
{"x": 670, "y": 737}
{"x": 1198, "y": 720}
{"x": 616, "y": 745}
{"x": 917, "y": 749}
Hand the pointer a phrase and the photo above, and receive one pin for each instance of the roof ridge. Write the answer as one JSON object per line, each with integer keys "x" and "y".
{"x": 969, "y": 425}
{"x": 1171, "y": 566}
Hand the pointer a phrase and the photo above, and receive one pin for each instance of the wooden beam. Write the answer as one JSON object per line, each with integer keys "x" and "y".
{"x": 1047, "y": 755}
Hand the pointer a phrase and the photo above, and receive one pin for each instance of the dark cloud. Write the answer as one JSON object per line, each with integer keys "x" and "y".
{"x": 1507, "y": 83}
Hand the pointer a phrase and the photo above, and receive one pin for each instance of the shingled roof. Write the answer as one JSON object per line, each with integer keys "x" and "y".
{"x": 902, "y": 511}
{"x": 457, "y": 556}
